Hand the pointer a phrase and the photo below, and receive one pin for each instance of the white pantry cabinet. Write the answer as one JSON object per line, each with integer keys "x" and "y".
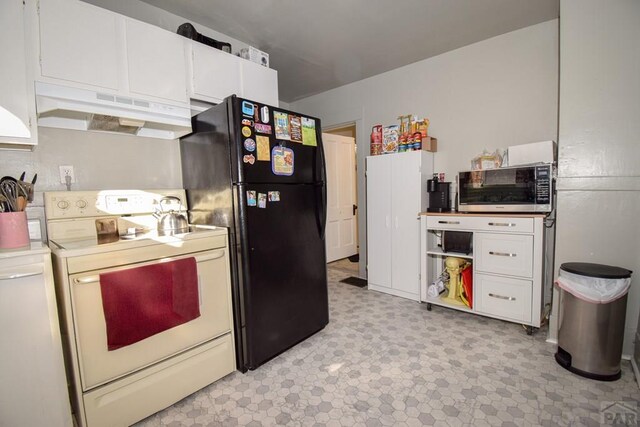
{"x": 17, "y": 103}
{"x": 396, "y": 194}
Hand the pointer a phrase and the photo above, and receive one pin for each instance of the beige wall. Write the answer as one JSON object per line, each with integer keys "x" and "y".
{"x": 599, "y": 141}
{"x": 499, "y": 92}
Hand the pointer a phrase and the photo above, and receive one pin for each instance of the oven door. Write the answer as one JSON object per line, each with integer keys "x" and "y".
{"x": 98, "y": 365}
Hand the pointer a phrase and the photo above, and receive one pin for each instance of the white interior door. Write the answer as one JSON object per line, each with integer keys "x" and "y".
{"x": 341, "y": 235}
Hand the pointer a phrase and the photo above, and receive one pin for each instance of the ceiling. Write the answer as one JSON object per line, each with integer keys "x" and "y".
{"x": 319, "y": 45}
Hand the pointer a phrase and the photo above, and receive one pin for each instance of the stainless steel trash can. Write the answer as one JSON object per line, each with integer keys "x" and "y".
{"x": 590, "y": 334}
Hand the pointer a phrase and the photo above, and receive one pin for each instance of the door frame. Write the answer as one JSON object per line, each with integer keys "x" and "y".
{"x": 362, "y": 151}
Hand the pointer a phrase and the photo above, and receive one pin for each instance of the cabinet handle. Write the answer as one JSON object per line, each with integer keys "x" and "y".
{"x": 11, "y": 276}
{"x": 449, "y": 222}
{"x": 201, "y": 258}
{"x": 85, "y": 280}
{"x": 502, "y": 224}
{"x": 386, "y": 221}
{"x": 396, "y": 222}
{"x": 502, "y": 254}
{"x": 502, "y": 297}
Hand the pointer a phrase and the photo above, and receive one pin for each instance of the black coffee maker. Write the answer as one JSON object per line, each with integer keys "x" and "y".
{"x": 439, "y": 198}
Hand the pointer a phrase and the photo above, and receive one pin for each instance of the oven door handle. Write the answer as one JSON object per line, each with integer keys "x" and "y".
{"x": 201, "y": 258}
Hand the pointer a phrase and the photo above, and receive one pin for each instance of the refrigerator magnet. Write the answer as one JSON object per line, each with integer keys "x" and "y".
{"x": 249, "y": 158}
{"x": 249, "y": 144}
{"x": 247, "y": 108}
{"x": 309, "y": 132}
{"x": 264, "y": 114}
{"x": 281, "y": 122}
{"x": 273, "y": 196}
{"x": 262, "y": 128}
{"x": 282, "y": 161}
{"x": 262, "y": 200}
{"x": 295, "y": 129}
{"x": 251, "y": 198}
{"x": 247, "y": 122}
{"x": 246, "y": 131}
{"x": 262, "y": 143}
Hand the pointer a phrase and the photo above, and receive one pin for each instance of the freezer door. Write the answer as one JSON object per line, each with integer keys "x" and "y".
{"x": 284, "y": 263}
{"x": 275, "y": 145}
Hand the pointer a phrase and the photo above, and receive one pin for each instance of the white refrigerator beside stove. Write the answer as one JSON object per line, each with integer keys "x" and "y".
{"x": 125, "y": 385}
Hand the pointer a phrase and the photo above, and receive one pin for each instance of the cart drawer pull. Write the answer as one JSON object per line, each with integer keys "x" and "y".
{"x": 502, "y": 254}
{"x": 449, "y": 222}
{"x": 502, "y": 297}
{"x": 502, "y": 224}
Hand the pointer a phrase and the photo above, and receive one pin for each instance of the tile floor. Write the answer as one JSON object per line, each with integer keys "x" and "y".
{"x": 384, "y": 360}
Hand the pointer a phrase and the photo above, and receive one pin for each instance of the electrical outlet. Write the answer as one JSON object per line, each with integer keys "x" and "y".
{"x": 67, "y": 171}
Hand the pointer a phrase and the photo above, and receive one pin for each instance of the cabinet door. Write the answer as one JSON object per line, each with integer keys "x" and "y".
{"x": 156, "y": 62}
{"x": 405, "y": 202}
{"x": 379, "y": 220}
{"x": 259, "y": 83}
{"x": 79, "y": 43}
{"x": 16, "y": 124}
{"x": 215, "y": 74}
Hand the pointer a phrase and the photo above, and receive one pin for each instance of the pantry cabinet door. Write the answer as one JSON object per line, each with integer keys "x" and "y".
{"x": 156, "y": 62}
{"x": 405, "y": 202}
{"x": 379, "y": 221}
{"x": 79, "y": 43}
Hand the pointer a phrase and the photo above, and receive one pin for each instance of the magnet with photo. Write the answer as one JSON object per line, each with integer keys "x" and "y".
{"x": 249, "y": 158}
{"x": 274, "y": 196}
{"x": 246, "y": 131}
{"x": 251, "y": 198}
{"x": 262, "y": 200}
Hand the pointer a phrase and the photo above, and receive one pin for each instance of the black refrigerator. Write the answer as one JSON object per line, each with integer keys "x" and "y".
{"x": 260, "y": 171}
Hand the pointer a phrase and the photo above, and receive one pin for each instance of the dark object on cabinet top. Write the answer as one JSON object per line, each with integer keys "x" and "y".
{"x": 189, "y": 31}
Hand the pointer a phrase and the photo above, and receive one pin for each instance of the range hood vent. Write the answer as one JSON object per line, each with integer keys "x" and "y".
{"x": 80, "y": 109}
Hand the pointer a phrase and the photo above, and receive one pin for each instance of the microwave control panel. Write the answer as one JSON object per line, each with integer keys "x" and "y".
{"x": 543, "y": 185}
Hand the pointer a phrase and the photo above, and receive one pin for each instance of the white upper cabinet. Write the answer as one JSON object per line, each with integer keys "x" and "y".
{"x": 80, "y": 43}
{"x": 259, "y": 83}
{"x": 17, "y": 103}
{"x": 215, "y": 74}
{"x": 155, "y": 62}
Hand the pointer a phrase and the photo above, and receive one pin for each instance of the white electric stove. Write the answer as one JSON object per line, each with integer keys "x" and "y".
{"x": 123, "y": 386}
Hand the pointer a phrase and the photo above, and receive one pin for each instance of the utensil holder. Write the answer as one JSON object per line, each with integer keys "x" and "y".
{"x": 14, "y": 231}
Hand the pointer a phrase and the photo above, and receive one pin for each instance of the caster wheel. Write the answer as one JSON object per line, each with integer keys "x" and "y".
{"x": 529, "y": 330}
{"x": 428, "y": 306}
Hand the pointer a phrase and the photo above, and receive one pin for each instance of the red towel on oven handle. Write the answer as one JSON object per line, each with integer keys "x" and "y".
{"x": 143, "y": 301}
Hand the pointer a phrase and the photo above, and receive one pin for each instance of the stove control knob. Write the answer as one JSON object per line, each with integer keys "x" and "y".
{"x": 81, "y": 204}
{"x": 63, "y": 204}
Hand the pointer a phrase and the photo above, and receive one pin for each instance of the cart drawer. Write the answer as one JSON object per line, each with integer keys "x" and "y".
{"x": 510, "y": 254}
{"x": 503, "y": 297}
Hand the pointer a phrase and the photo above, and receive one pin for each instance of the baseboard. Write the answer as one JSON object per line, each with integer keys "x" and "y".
{"x": 636, "y": 371}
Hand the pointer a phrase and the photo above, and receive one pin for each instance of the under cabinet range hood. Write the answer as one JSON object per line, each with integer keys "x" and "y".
{"x": 80, "y": 109}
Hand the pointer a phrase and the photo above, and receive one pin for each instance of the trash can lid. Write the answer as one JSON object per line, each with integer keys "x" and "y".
{"x": 596, "y": 270}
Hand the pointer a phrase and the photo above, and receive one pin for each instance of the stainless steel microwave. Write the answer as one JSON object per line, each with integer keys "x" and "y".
{"x": 513, "y": 189}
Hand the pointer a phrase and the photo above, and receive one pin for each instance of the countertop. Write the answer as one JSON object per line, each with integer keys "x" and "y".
{"x": 510, "y": 215}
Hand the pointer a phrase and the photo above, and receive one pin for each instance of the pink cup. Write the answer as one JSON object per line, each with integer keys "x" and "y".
{"x": 14, "y": 232}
